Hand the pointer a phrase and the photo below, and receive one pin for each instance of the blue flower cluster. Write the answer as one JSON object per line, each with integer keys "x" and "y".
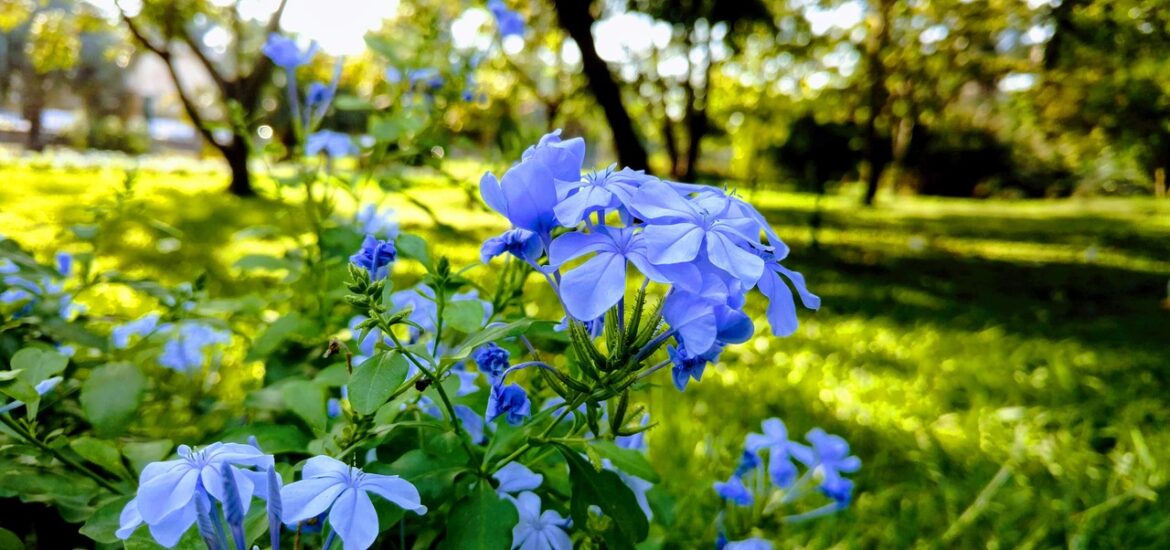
{"x": 175, "y": 495}
{"x": 708, "y": 248}
{"x": 189, "y": 343}
{"x": 25, "y": 292}
{"x": 826, "y": 459}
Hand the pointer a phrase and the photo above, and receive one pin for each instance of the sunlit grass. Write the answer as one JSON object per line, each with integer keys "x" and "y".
{"x": 1000, "y": 367}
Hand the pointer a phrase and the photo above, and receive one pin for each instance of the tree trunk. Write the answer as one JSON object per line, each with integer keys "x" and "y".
{"x": 34, "y": 110}
{"x": 574, "y": 16}
{"x": 237, "y": 159}
{"x": 1160, "y": 182}
{"x": 876, "y": 100}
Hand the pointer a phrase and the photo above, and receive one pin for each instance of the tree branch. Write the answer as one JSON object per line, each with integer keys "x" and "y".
{"x": 220, "y": 81}
{"x": 164, "y": 53}
{"x": 161, "y": 51}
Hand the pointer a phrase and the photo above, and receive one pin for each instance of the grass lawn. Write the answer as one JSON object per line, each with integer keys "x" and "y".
{"x": 1002, "y": 368}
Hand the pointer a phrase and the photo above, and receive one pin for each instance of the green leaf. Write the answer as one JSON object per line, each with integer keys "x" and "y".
{"x": 483, "y": 520}
{"x": 433, "y": 475}
{"x": 111, "y": 395}
{"x": 465, "y": 315}
{"x": 20, "y": 390}
{"x": 104, "y": 521}
{"x": 629, "y": 461}
{"x": 275, "y": 335}
{"x": 141, "y": 453}
{"x": 38, "y": 365}
{"x": 261, "y": 262}
{"x": 306, "y": 400}
{"x": 100, "y": 452}
{"x": 412, "y": 246}
{"x": 9, "y": 540}
{"x": 375, "y": 379}
{"x": 604, "y": 489}
{"x": 272, "y": 438}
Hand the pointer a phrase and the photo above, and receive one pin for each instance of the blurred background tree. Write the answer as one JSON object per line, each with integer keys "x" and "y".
{"x": 954, "y": 98}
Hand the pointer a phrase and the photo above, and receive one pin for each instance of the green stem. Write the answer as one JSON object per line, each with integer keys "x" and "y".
{"x": 28, "y": 436}
{"x": 454, "y": 420}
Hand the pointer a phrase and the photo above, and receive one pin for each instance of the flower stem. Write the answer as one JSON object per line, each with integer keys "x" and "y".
{"x": 28, "y": 436}
{"x": 454, "y": 420}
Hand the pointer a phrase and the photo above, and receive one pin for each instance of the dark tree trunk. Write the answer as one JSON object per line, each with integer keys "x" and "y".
{"x": 876, "y": 74}
{"x": 34, "y": 110}
{"x": 577, "y": 20}
{"x": 237, "y": 159}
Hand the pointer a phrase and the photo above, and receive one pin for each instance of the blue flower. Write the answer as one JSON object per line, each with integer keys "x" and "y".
{"x": 64, "y": 262}
{"x": 379, "y": 223}
{"x": 781, "y": 307}
{"x": 679, "y": 229}
{"x": 597, "y": 192}
{"x": 686, "y": 366}
{"x": 7, "y": 267}
{"x": 427, "y": 79}
{"x": 472, "y": 423}
{"x": 521, "y": 243}
{"x": 329, "y": 484}
{"x": 748, "y": 461}
{"x": 508, "y": 22}
{"x": 374, "y": 256}
{"x": 429, "y": 407}
{"x": 749, "y": 544}
{"x": 509, "y": 401}
{"x": 600, "y": 282}
{"x": 830, "y": 456}
{"x": 318, "y": 95}
{"x": 187, "y": 350}
{"x": 421, "y": 302}
{"x": 491, "y": 360}
{"x": 780, "y": 451}
{"x": 539, "y": 530}
{"x": 334, "y": 144}
{"x": 527, "y": 193}
{"x": 166, "y": 498}
{"x": 515, "y": 477}
{"x": 142, "y": 326}
{"x": 467, "y": 378}
{"x": 734, "y": 490}
{"x": 393, "y": 75}
{"x": 283, "y": 51}
{"x": 707, "y": 318}
{"x": 563, "y": 158}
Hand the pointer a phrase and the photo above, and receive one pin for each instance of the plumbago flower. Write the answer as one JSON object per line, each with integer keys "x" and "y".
{"x": 188, "y": 348}
{"x": 590, "y": 233}
{"x": 537, "y": 529}
{"x": 508, "y": 22}
{"x": 168, "y": 491}
{"x": 826, "y": 461}
{"x": 329, "y": 485}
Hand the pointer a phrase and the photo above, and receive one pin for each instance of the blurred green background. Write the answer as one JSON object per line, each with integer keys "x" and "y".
{"x": 975, "y": 189}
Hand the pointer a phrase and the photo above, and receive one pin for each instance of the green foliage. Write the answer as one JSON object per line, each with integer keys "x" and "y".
{"x": 623, "y": 524}
{"x": 111, "y": 396}
{"x": 482, "y": 520}
{"x": 374, "y": 381}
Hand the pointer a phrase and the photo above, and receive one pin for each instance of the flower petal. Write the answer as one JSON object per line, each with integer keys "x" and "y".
{"x": 395, "y": 489}
{"x": 308, "y": 498}
{"x": 594, "y": 286}
{"x": 673, "y": 243}
{"x": 576, "y": 244}
{"x": 354, "y": 519}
